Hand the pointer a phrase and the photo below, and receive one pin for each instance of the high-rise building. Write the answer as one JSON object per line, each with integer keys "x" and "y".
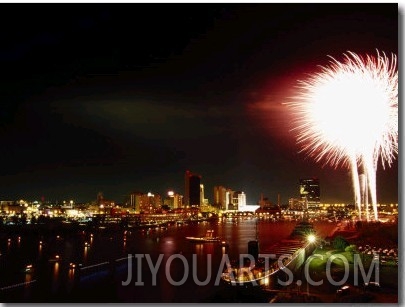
{"x": 241, "y": 201}
{"x": 173, "y": 200}
{"x": 220, "y": 200}
{"x": 187, "y": 188}
{"x": 227, "y": 199}
{"x": 135, "y": 201}
{"x": 310, "y": 192}
{"x": 145, "y": 202}
{"x": 192, "y": 189}
{"x": 201, "y": 194}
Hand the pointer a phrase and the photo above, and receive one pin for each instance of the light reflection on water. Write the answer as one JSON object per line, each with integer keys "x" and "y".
{"x": 105, "y": 246}
{"x": 71, "y": 274}
{"x": 86, "y": 248}
{"x": 27, "y": 287}
{"x": 56, "y": 271}
{"x": 55, "y": 277}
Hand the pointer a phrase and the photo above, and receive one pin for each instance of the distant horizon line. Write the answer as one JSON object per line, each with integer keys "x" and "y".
{"x": 67, "y": 201}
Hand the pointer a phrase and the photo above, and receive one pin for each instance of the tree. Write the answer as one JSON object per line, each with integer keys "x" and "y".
{"x": 339, "y": 243}
{"x": 350, "y": 248}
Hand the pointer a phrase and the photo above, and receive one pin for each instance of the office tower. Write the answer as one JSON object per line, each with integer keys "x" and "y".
{"x": 310, "y": 192}
{"x": 142, "y": 202}
{"x": 173, "y": 200}
{"x": 241, "y": 201}
{"x": 135, "y": 201}
{"x": 220, "y": 200}
{"x": 201, "y": 194}
{"x": 192, "y": 189}
{"x": 229, "y": 199}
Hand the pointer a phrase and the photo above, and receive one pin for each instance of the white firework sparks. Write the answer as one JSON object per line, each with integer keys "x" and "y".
{"x": 347, "y": 115}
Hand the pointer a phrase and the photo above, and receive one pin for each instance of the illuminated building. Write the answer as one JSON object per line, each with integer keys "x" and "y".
{"x": 296, "y": 204}
{"x": 227, "y": 199}
{"x": 230, "y": 200}
{"x": 103, "y": 204}
{"x": 135, "y": 201}
{"x": 310, "y": 192}
{"x": 238, "y": 201}
{"x": 201, "y": 194}
{"x": 4, "y": 205}
{"x": 220, "y": 197}
{"x": 173, "y": 200}
{"x": 141, "y": 202}
{"x": 241, "y": 200}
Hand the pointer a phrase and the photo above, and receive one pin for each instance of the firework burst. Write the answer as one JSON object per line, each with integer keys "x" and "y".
{"x": 347, "y": 115}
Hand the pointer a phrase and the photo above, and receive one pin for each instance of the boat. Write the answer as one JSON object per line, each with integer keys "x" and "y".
{"x": 28, "y": 269}
{"x": 208, "y": 238}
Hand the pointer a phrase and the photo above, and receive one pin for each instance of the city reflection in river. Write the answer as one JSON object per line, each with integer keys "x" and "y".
{"x": 85, "y": 249}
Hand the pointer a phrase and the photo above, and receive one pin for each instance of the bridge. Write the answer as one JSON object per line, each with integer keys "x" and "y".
{"x": 292, "y": 252}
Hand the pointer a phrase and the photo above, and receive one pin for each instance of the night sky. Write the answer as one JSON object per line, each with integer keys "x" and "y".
{"x": 121, "y": 98}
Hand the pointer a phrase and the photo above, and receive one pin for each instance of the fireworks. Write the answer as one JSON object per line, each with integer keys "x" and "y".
{"x": 347, "y": 115}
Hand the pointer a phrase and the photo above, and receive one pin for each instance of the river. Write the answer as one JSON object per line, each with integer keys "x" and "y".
{"x": 93, "y": 266}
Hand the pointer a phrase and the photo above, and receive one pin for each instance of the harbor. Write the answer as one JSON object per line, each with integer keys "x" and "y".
{"x": 102, "y": 265}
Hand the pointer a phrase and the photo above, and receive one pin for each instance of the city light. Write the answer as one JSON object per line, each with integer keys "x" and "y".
{"x": 263, "y": 130}
{"x": 311, "y": 238}
{"x": 347, "y": 114}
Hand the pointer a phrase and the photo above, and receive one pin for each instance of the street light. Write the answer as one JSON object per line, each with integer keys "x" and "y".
{"x": 311, "y": 238}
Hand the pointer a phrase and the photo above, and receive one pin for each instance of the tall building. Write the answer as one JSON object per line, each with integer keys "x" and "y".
{"x": 141, "y": 202}
{"x": 227, "y": 199}
{"x": 192, "y": 189}
{"x": 310, "y": 192}
{"x": 135, "y": 201}
{"x": 187, "y": 188}
{"x": 241, "y": 201}
{"x": 201, "y": 194}
{"x": 220, "y": 200}
{"x": 173, "y": 200}
{"x": 238, "y": 201}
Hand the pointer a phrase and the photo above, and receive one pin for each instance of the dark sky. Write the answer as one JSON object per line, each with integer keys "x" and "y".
{"x": 117, "y": 98}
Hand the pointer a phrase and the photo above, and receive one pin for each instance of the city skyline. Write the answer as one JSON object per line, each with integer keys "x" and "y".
{"x": 116, "y": 98}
